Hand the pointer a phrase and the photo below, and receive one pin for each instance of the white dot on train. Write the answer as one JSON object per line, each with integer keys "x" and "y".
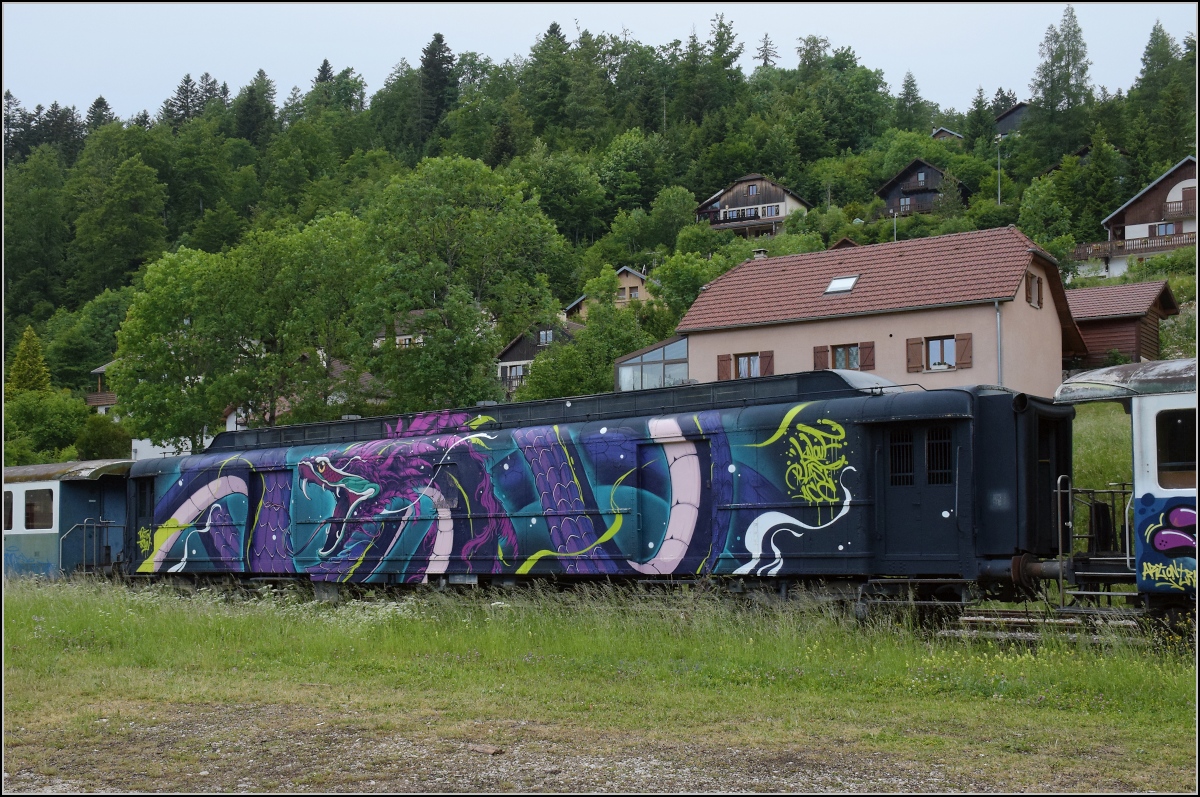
{"x": 506, "y": 466}
{"x": 945, "y": 513}
{"x": 603, "y": 430}
{"x": 533, "y": 521}
{"x": 181, "y": 482}
{"x": 651, "y": 544}
{"x": 622, "y": 456}
{"x": 193, "y": 552}
{"x": 274, "y": 537}
{"x": 732, "y": 468}
{"x": 568, "y": 403}
{"x": 841, "y": 547}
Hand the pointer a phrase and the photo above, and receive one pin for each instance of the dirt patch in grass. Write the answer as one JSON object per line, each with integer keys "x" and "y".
{"x": 246, "y": 748}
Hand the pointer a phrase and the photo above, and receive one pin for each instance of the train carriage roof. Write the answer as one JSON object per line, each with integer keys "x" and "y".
{"x": 67, "y": 471}
{"x": 811, "y": 385}
{"x": 1127, "y": 381}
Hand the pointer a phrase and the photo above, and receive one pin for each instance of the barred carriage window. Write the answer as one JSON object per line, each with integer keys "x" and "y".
{"x": 939, "y": 466}
{"x": 902, "y": 458}
{"x": 8, "y": 512}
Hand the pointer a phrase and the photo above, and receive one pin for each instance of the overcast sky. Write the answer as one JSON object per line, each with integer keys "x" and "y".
{"x": 135, "y": 54}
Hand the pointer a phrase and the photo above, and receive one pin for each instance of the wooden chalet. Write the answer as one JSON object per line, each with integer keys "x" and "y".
{"x": 751, "y": 206}
{"x": 1008, "y": 122}
{"x": 515, "y": 359}
{"x": 913, "y": 189}
{"x": 940, "y": 133}
{"x": 1159, "y": 218}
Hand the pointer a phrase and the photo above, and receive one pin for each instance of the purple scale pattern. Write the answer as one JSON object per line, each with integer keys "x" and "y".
{"x": 270, "y": 537}
{"x": 571, "y": 529}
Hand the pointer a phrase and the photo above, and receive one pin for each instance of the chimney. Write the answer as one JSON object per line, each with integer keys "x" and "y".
{"x": 760, "y": 254}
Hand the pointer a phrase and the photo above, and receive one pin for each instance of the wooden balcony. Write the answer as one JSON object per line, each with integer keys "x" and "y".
{"x": 101, "y": 399}
{"x": 915, "y": 186}
{"x": 920, "y": 204}
{"x": 1183, "y": 209}
{"x": 1136, "y": 246}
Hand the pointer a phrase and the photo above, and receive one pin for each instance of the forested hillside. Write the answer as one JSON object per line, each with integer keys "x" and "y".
{"x": 268, "y": 251}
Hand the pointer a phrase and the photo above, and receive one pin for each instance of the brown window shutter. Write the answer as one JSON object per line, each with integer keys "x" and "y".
{"x": 1039, "y": 291}
{"x": 820, "y": 358}
{"x": 962, "y": 350}
{"x": 866, "y": 356}
{"x": 724, "y": 367}
{"x": 1028, "y": 287}
{"x": 766, "y": 363}
{"x": 916, "y": 357}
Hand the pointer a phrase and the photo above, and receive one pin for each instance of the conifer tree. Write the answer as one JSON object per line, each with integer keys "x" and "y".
{"x": 28, "y": 370}
{"x": 438, "y": 86}
{"x": 766, "y": 51}
{"x": 1061, "y": 90}
{"x": 324, "y": 73}
{"x": 1002, "y": 100}
{"x": 185, "y": 103}
{"x": 99, "y": 114}
{"x": 912, "y": 113}
{"x": 209, "y": 90}
{"x": 981, "y": 123}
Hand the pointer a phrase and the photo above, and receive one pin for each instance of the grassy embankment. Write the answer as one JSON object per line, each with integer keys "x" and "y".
{"x": 87, "y": 665}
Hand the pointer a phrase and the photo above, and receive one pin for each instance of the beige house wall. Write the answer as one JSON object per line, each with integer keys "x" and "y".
{"x": 1031, "y": 338}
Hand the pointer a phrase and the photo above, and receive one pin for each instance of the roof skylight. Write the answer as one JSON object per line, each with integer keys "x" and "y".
{"x": 841, "y": 284}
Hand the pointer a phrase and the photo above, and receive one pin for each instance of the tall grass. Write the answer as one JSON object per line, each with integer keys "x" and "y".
{"x": 1103, "y": 446}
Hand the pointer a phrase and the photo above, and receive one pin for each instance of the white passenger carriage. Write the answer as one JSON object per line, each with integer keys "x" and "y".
{"x": 64, "y": 517}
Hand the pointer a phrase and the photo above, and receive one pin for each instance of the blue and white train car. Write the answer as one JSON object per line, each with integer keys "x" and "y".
{"x": 64, "y": 517}
{"x": 1160, "y": 511}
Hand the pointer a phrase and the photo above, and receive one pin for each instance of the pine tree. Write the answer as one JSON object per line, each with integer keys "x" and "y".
{"x": 324, "y": 73}
{"x": 438, "y": 86}
{"x": 28, "y": 370}
{"x": 185, "y": 103}
{"x": 99, "y": 114}
{"x": 141, "y": 119}
{"x": 980, "y": 124}
{"x": 293, "y": 108}
{"x": 1103, "y": 184}
{"x": 1158, "y": 65}
{"x": 209, "y": 90}
{"x": 1002, "y": 100}
{"x": 766, "y": 51}
{"x": 1061, "y": 91}
{"x": 912, "y": 113}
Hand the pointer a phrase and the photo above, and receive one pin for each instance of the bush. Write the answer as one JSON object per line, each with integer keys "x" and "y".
{"x": 103, "y": 438}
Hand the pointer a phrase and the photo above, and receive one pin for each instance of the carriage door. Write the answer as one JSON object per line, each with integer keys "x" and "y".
{"x": 920, "y": 513}
{"x": 269, "y": 521}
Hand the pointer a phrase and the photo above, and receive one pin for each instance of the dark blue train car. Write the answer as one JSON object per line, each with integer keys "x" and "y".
{"x": 822, "y": 475}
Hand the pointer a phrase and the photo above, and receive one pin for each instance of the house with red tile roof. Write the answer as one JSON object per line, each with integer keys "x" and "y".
{"x": 1123, "y": 318}
{"x": 984, "y": 307}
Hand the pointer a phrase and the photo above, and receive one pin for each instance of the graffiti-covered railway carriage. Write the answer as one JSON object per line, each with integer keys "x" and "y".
{"x": 825, "y": 475}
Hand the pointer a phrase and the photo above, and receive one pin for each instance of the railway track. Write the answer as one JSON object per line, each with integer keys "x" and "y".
{"x": 1030, "y": 625}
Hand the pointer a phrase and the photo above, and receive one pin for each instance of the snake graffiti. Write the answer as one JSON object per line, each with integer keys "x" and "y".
{"x": 713, "y": 492}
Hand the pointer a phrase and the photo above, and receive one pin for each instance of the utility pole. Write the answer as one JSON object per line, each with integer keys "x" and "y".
{"x": 998, "y": 140}
{"x": 893, "y": 225}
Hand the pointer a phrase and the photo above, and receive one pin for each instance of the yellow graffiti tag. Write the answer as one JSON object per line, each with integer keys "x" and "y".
{"x": 1169, "y": 575}
{"x": 143, "y": 540}
{"x": 814, "y": 461}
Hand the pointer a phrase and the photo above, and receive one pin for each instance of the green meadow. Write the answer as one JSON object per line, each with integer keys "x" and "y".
{"x": 87, "y": 662}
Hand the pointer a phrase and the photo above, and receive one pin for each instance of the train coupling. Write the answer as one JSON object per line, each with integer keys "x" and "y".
{"x": 1027, "y": 570}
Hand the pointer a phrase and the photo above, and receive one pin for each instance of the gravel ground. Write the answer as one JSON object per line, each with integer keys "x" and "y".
{"x": 279, "y": 748}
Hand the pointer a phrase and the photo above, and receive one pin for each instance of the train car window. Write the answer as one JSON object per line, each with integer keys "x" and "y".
{"x": 902, "y": 457}
{"x": 39, "y": 509}
{"x": 145, "y": 500}
{"x": 8, "y": 499}
{"x": 939, "y": 463}
{"x": 1176, "y": 436}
